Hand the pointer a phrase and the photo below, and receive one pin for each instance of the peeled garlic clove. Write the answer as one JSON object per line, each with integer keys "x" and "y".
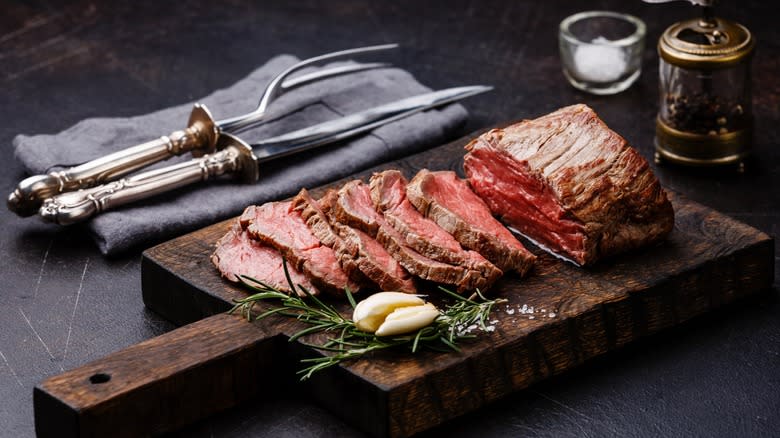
{"x": 371, "y": 312}
{"x": 408, "y": 319}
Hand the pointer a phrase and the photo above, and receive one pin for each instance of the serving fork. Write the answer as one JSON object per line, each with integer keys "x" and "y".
{"x": 237, "y": 158}
{"x": 78, "y": 193}
{"x": 199, "y": 138}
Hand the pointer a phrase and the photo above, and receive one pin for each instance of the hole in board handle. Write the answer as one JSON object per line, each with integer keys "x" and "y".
{"x": 99, "y": 378}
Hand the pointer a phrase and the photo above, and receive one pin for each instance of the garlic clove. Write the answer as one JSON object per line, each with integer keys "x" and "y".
{"x": 371, "y": 312}
{"x": 408, "y": 319}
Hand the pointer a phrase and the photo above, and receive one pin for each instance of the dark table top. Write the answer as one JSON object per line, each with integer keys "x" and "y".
{"x": 63, "y": 304}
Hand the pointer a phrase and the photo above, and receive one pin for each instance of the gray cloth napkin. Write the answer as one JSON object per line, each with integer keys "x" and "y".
{"x": 175, "y": 213}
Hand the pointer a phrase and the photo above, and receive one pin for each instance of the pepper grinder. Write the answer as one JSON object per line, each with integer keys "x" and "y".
{"x": 705, "y": 116}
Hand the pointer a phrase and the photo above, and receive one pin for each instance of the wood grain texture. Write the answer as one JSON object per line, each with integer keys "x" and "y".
{"x": 162, "y": 383}
{"x": 708, "y": 261}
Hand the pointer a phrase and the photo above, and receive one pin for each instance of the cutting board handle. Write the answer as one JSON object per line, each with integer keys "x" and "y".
{"x": 163, "y": 383}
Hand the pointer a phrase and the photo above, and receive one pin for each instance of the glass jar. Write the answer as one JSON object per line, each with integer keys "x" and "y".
{"x": 705, "y": 99}
{"x": 601, "y": 51}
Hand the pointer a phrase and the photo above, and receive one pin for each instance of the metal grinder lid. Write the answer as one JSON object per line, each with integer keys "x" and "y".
{"x": 706, "y": 43}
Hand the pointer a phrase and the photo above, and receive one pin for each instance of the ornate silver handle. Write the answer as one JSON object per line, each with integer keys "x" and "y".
{"x": 200, "y": 137}
{"x": 234, "y": 157}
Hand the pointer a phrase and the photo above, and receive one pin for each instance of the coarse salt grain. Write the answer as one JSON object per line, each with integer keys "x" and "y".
{"x": 599, "y": 61}
{"x": 525, "y": 309}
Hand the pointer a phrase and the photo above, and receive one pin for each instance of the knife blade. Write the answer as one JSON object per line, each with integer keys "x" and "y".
{"x": 357, "y": 123}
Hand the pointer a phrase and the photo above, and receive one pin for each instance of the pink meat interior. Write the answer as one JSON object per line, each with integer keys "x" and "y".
{"x": 241, "y": 255}
{"x": 398, "y": 206}
{"x": 456, "y": 196}
{"x": 524, "y": 201}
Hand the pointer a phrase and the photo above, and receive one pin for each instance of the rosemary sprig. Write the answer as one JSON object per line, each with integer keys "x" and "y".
{"x": 455, "y": 323}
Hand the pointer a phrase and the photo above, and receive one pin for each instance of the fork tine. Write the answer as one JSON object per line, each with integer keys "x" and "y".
{"x": 341, "y": 54}
{"x": 335, "y": 71}
{"x": 276, "y": 86}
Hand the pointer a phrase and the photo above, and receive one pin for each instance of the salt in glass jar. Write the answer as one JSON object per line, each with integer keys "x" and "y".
{"x": 601, "y": 51}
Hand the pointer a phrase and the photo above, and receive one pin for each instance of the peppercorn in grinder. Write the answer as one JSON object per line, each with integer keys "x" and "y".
{"x": 705, "y": 99}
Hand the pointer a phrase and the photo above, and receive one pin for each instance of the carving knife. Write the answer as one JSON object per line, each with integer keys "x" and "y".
{"x": 237, "y": 158}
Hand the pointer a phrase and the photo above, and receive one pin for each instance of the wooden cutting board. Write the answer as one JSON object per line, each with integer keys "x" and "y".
{"x": 571, "y": 315}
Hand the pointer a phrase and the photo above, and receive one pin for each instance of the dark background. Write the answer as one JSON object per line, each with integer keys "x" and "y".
{"x": 62, "y": 304}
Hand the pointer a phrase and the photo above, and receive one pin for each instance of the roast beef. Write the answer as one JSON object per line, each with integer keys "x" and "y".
{"x": 357, "y": 252}
{"x": 354, "y": 206}
{"x": 571, "y": 184}
{"x": 447, "y": 200}
{"x": 462, "y": 278}
{"x": 388, "y": 192}
{"x": 236, "y": 254}
{"x": 277, "y": 225}
{"x": 317, "y": 222}
{"x": 375, "y": 262}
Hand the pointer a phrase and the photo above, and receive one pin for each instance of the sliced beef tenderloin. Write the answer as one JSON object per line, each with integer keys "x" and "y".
{"x": 327, "y": 204}
{"x": 315, "y": 219}
{"x": 369, "y": 255}
{"x": 426, "y": 268}
{"x": 277, "y": 225}
{"x": 354, "y": 206}
{"x": 375, "y": 262}
{"x": 388, "y": 192}
{"x": 236, "y": 254}
{"x": 570, "y": 183}
{"x": 447, "y": 200}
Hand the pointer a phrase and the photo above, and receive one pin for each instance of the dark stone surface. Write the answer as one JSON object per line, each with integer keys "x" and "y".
{"x": 64, "y": 304}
